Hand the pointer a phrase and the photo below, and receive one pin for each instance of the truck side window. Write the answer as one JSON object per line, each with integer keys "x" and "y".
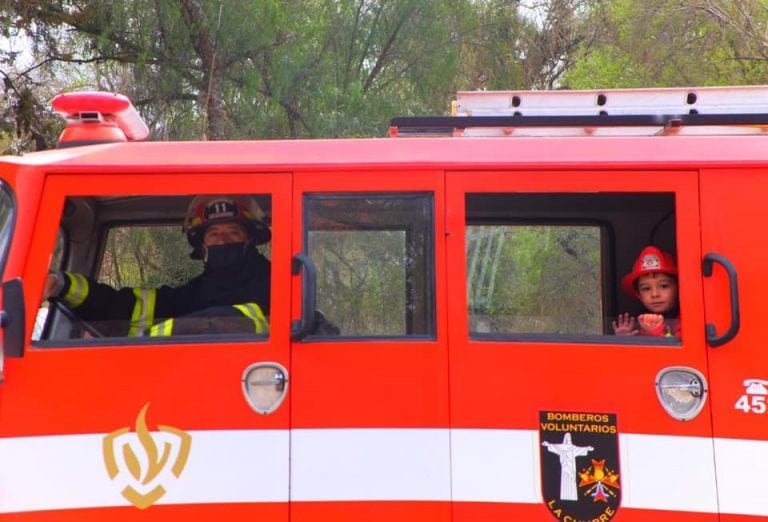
{"x": 534, "y": 279}
{"x": 162, "y": 266}
{"x": 374, "y": 256}
{"x": 550, "y": 266}
{"x": 7, "y": 214}
{"x": 40, "y": 329}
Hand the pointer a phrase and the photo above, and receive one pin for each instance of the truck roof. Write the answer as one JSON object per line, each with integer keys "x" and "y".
{"x": 381, "y": 153}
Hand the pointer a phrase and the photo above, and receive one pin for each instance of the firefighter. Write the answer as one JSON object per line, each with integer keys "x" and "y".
{"x": 652, "y": 281}
{"x": 232, "y": 293}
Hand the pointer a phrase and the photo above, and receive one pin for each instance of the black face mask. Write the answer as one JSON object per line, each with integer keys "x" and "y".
{"x": 227, "y": 258}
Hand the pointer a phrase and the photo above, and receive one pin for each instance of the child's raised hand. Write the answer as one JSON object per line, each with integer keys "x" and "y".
{"x": 651, "y": 323}
{"x": 625, "y": 324}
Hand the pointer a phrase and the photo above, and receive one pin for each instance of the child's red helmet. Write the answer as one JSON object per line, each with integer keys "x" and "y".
{"x": 650, "y": 260}
{"x": 207, "y": 210}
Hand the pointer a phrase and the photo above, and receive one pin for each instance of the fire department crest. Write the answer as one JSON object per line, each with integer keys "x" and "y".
{"x": 650, "y": 262}
{"x": 580, "y": 465}
{"x": 144, "y": 463}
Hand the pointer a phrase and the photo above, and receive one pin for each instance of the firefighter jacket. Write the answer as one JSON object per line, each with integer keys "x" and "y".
{"x": 156, "y": 311}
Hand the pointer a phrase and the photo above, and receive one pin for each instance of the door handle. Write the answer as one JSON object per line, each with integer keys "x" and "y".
{"x": 302, "y": 327}
{"x": 713, "y": 339}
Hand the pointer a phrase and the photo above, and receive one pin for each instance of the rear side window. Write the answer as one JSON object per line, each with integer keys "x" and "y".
{"x": 374, "y": 255}
{"x": 564, "y": 266}
{"x": 534, "y": 279}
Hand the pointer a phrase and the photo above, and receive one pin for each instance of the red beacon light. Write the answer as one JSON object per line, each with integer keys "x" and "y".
{"x": 98, "y": 117}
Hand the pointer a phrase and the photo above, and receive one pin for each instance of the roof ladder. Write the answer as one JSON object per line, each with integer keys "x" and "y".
{"x": 660, "y": 111}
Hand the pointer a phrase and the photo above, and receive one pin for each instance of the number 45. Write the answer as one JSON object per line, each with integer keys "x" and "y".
{"x": 751, "y": 403}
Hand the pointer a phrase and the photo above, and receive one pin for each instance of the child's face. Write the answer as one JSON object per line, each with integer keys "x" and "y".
{"x": 657, "y": 292}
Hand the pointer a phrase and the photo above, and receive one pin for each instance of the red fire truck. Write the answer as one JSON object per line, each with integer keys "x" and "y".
{"x": 471, "y": 267}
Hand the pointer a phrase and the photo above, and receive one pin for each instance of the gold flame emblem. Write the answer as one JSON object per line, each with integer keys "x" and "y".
{"x": 143, "y": 461}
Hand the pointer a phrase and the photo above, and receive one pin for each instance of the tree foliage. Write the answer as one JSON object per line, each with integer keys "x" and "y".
{"x": 663, "y": 43}
{"x": 147, "y": 257}
{"x": 534, "y": 279}
{"x": 245, "y": 69}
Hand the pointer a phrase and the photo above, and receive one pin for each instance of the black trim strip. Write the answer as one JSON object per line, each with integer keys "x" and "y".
{"x": 445, "y": 124}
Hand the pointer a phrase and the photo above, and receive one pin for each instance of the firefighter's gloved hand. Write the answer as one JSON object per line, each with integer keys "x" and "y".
{"x": 54, "y": 284}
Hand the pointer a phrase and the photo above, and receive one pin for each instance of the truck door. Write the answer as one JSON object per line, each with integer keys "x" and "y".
{"x": 733, "y": 211}
{"x": 553, "y": 417}
{"x": 98, "y": 424}
{"x": 369, "y": 389}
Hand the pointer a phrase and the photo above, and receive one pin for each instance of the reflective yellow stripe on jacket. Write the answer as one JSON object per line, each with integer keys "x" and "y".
{"x": 162, "y": 329}
{"x": 77, "y": 291}
{"x": 143, "y": 310}
{"x": 250, "y": 310}
{"x": 253, "y": 312}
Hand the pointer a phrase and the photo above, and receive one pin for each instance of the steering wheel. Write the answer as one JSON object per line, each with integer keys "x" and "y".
{"x": 69, "y": 314}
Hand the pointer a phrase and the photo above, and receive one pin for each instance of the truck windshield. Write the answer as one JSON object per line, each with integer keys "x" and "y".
{"x": 7, "y": 214}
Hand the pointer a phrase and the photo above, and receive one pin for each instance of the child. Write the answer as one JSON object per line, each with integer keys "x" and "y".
{"x": 653, "y": 281}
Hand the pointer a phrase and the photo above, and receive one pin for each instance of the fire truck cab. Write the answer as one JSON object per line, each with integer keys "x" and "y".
{"x": 469, "y": 271}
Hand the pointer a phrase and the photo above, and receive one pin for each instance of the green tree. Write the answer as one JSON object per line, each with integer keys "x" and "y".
{"x": 660, "y": 43}
{"x": 530, "y": 279}
{"x": 249, "y": 69}
{"x": 147, "y": 257}
{"x": 243, "y": 69}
